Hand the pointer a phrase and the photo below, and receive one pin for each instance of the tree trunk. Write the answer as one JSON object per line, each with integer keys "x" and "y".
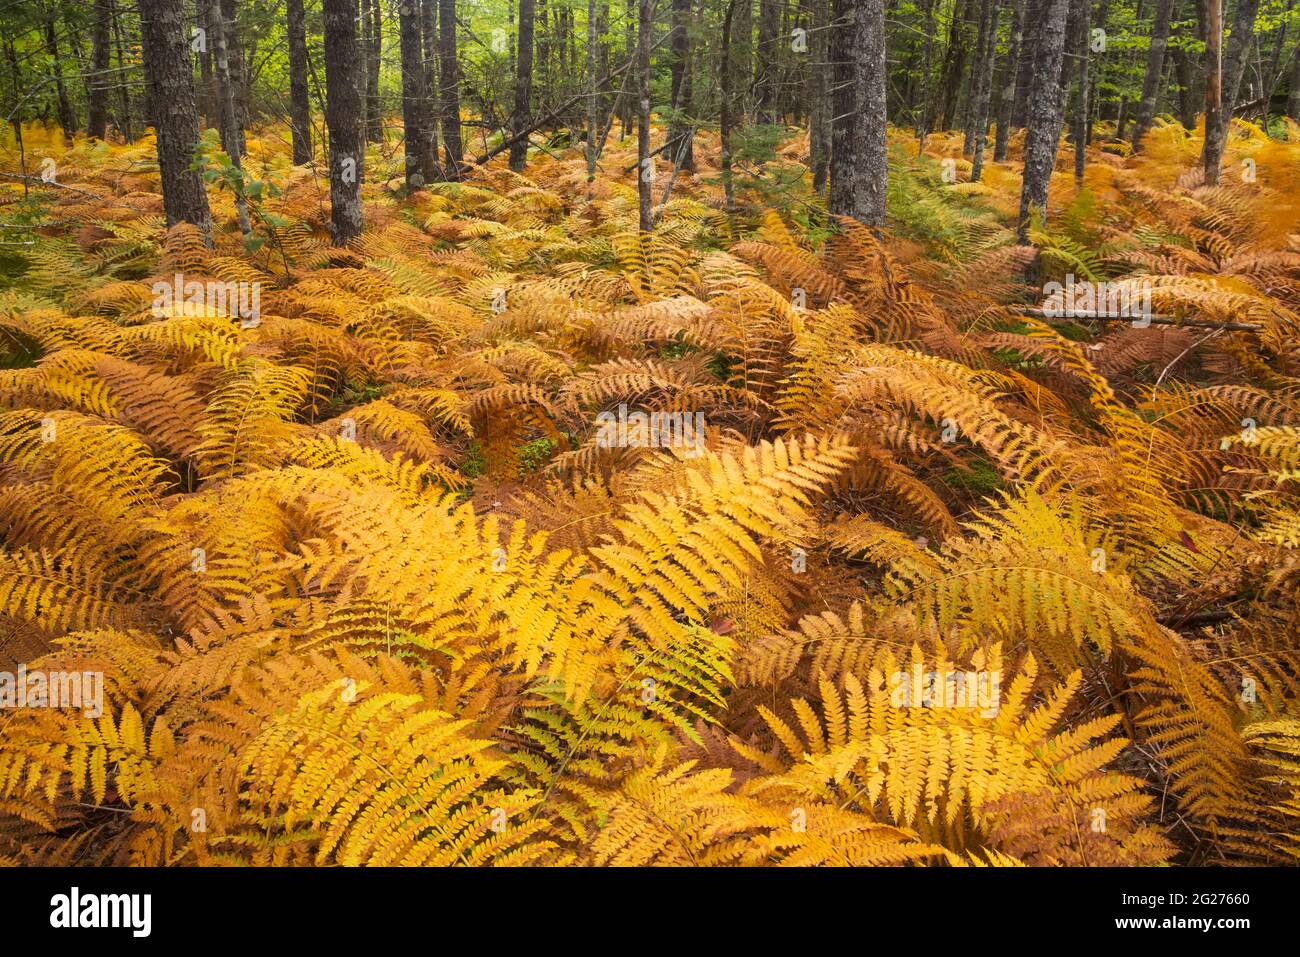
{"x": 123, "y": 88}
{"x": 1146, "y": 113}
{"x": 449, "y": 75}
{"x": 235, "y": 63}
{"x": 593, "y": 99}
{"x": 1010, "y": 72}
{"x": 414, "y": 95}
{"x": 97, "y": 107}
{"x": 870, "y": 77}
{"x": 681, "y": 129}
{"x": 1033, "y": 17}
{"x": 1043, "y": 133}
{"x": 1234, "y": 59}
{"x": 67, "y": 118}
{"x": 344, "y": 83}
{"x": 1081, "y": 96}
{"x": 374, "y": 40}
{"x": 819, "y": 127}
{"x": 844, "y": 163}
{"x": 523, "y": 84}
{"x": 1215, "y": 129}
{"x": 979, "y": 125}
{"x": 726, "y": 73}
{"x": 987, "y": 20}
{"x": 765, "y": 83}
{"x": 954, "y": 64}
{"x": 229, "y": 121}
{"x": 927, "y": 79}
{"x": 645, "y": 164}
{"x": 299, "y": 105}
{"x": 171, "y": 91}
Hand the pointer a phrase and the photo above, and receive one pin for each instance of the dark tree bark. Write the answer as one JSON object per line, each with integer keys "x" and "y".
{"x": 98, "y": 87}
{"x": 927, "y": 78}
{"x": 986, "y": 24}
{"x": 123, "y": 88}
{"x": 299, "y": 104}
{"x": 681, "y": 129}
{"x": 593, "y": 99}
{"x": 979, "y": 125}
{"x": 450, "y": 78}
{"x": 645, "y": 167}
{"x": 1081, "y": 95}
{"x": 67, "y": 118}
{"x": 523, "y": 84}
{"x": 1215, "y": 128}
{"x": 431, "y": 109}
{"x": 171, "y": 91}
{"x": 344, "y": 82}
{"x": 870, "y": 71}
{"x": 819, "y": 127}
{"x": 414, "y": 95}
{"x": 765, "y": 82}
{"x": 844, "y": 163}
{"x": 1043, "y": 133}
{"x": 1010, "y": 71}
{"x": 954, "y": 63}
{"x": 1146, "y": 113}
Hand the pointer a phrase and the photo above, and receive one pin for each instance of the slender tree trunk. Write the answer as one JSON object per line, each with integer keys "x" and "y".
{"x": 238, "y": 76}
{"x": 97, "y": 107}
{"x": 1010, "y": 71}
{"x": 1146, "y": 113}
{"x": 954, "y": 64}
{"x": 123, "y": 87}
{"x": 979, "y": 125}
{"x": 765, "y": 85}
{"x": 681, "y": 85}
{"x": 593, "y": 100}
{"x": 1215, "y": 128}
{"x": 1033, "y": 17}
{"x": 844, "y": 161}
{"x": 1235, "y": 57}
{"x": 819, "y": 127}
{"x": 299, "y": 104}
{"x": 927, "y": 78}
{"x": 67, "y": 118}
{"x": 645, "y": 164}
{"x": 983, "y": 55}
{"x": 373, "y": 29}
{"x": 171, "y": 91}
{"x": 432, "y": 107}
{"x": 727, "y": 74}
{"x": 209, "y": 102}
{"x": 1042, "y": 136}
{"x": 1081, "y": 100}
{"x": 414, "y": 95}
{"x": 229, "y": 121}
{"x": 523, "y": 84}
{"x": 870, "y": 76}
{"x": 450, "y": 77}
{"x": 344, "y": 83}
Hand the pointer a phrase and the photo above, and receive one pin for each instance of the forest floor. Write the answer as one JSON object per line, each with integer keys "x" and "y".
{"x": 510, "y": 534}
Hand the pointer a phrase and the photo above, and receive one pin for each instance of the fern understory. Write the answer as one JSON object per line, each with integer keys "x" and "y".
{"x": 365, "y": 588}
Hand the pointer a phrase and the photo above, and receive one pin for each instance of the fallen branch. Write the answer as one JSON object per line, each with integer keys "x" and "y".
{"x": 1153, "y": 320}
{"x": 49, "y": 182}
